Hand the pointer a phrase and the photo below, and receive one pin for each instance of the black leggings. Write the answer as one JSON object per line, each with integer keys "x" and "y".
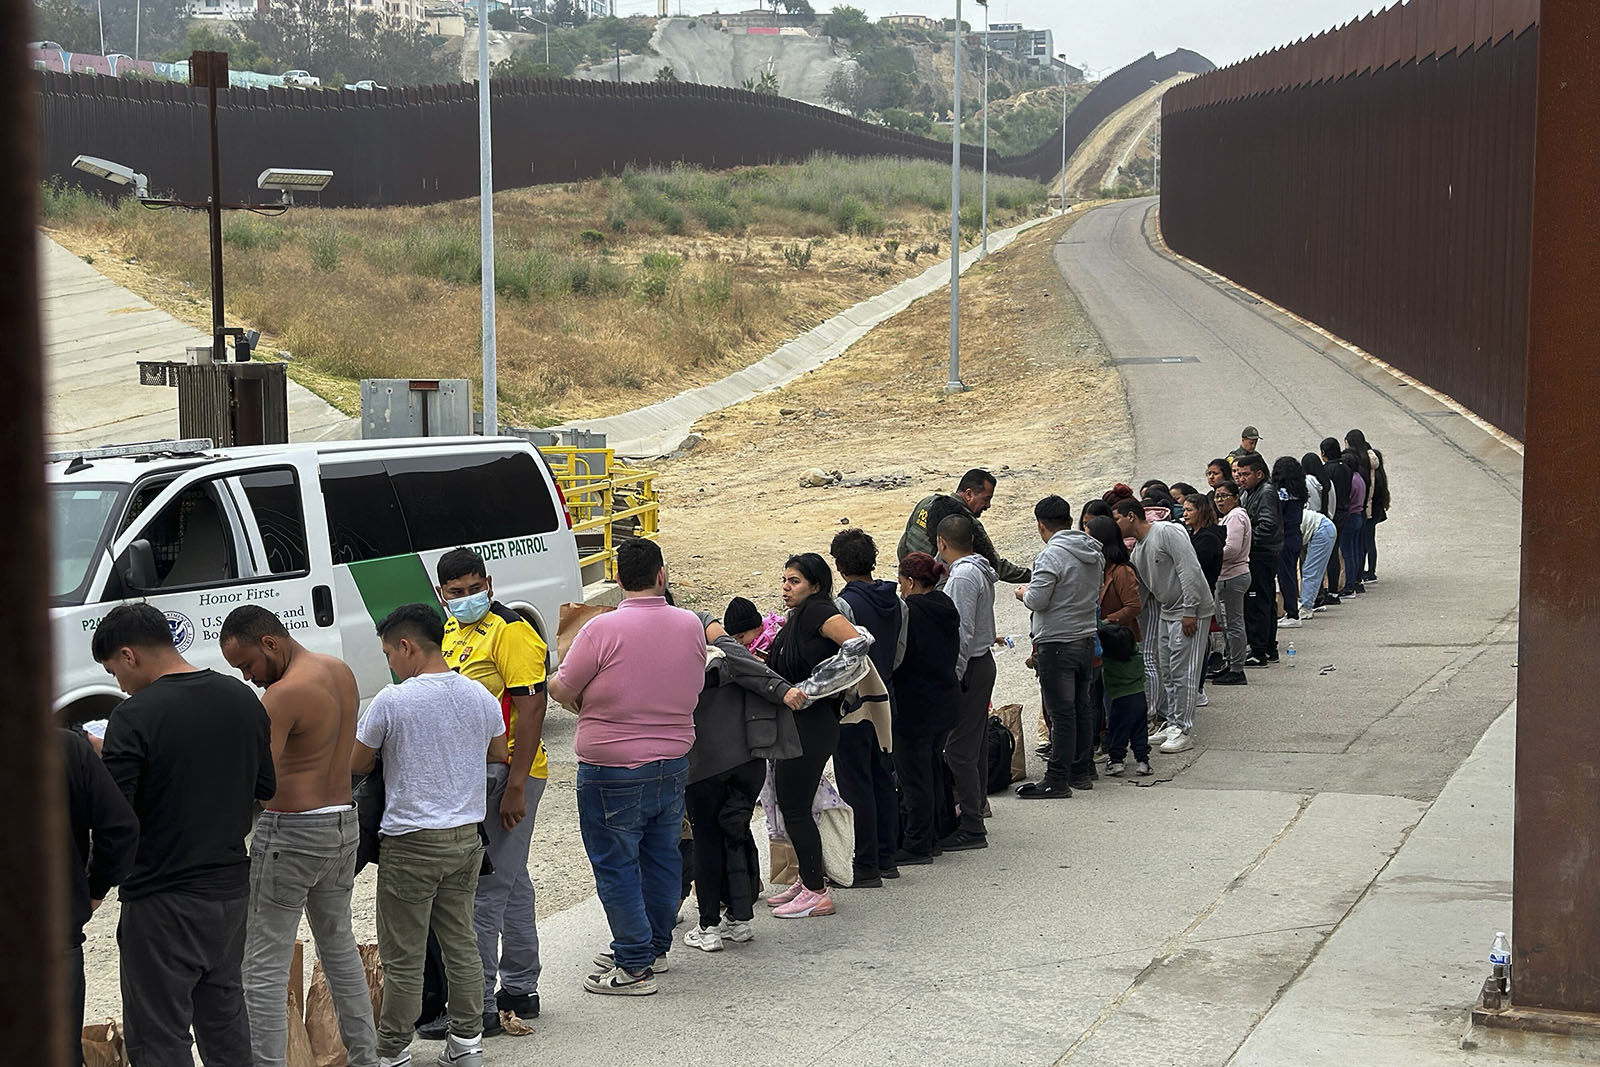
{"x": 719, "y": 810}
{"x": 796, "y": 785}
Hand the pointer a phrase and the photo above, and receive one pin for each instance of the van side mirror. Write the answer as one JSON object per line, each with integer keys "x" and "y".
{"x": 138, "y": 567}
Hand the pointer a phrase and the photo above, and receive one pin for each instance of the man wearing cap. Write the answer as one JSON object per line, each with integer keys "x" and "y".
{"x": 1248, "y": 438}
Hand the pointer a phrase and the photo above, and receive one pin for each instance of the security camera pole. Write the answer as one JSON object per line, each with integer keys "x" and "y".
{"x": 954, "y": 385}
{"x": 207, "y": 69}
{"x": 491, "y": 385}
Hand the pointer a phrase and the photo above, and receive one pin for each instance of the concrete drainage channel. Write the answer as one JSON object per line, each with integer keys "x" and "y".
{"x": 660, "y": 428}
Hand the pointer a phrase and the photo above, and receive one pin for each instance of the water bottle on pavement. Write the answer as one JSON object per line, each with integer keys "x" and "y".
{"x": 1500, "y": 961}
{"x": 1289, "y": 662}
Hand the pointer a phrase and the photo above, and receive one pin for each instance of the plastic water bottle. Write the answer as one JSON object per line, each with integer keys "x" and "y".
{"x": 1500, "y": 961}
{"x": 1289, "y": 662}
{"x": 1010, "y": 641}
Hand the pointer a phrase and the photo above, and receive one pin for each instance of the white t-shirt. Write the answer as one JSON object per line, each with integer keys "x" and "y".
{"x": 433, "y": 733}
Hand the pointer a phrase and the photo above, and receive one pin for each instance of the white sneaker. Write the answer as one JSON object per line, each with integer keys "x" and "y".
{"x": 1287, "y": 623}
{"x": 1162, "y": 734}
{"x": 738, "y": 931}
{"x": 704, "y": 938}
{"x": 461, "y": 1051}
{"x": 1178, "y": 742}
{"x": 403, "y": 1059}
{"x": 1113, "y": 770}
{"x": 1202, "y": 701}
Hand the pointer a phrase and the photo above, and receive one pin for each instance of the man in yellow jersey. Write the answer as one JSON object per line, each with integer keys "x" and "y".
{"x": 494, "y": 645}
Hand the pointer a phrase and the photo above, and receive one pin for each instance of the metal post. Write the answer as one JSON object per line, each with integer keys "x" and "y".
{"x": 985, "y": 126}
{"x": 491, "y": 385}
{"x": 100, "y": 15}
{"x": 619, "y": 62}
{"x": 1556, "y": 856}
{"x": 954, "y": 384}
{"x": 219, "y": 341}
{"x": 138, "y": 11}
{"x": 1063, "y": 134}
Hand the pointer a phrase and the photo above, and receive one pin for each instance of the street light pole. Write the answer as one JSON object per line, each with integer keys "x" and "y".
{"x": 953, "y": 385}
{"x": 491, "y": 385}
{"x": 546, "y": 26}
{"x": 985, "y": 5}
{"x": 1063, "y": 58}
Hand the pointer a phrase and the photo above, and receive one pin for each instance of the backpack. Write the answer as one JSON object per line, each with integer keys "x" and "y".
{"x": 1001, "y": 748}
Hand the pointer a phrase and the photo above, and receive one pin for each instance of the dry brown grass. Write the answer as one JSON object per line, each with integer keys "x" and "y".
{"x": 612, "y": 293}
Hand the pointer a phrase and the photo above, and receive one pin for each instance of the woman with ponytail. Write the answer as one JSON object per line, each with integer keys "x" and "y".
{"x": 927, "y": 698}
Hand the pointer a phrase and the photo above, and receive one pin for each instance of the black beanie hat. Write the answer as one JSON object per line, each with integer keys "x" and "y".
{"x": 741, "y": 616}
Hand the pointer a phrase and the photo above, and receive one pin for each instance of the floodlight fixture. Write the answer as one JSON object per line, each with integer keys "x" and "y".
{"x": 115, "y": 173}
{"x": 290, "y": 180}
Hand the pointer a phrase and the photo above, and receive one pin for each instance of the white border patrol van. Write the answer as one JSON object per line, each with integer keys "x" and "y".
{"x": 331, "y": 537}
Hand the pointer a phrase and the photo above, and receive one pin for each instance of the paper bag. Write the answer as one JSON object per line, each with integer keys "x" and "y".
{"x": 1011, "y": 715}
{"x": 299, "y": 1046}
{"x": 374, "y": 968}
{"x": 784, "y": 869}
{"x": 573, "y": 616}
{"x": 102, "y": 1045}
{"x": 322, "y": 1023}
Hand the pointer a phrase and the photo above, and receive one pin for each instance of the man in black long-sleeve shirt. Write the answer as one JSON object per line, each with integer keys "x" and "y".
{"x": 103, "y": 835}
{"x": 1265, "y": 508}
{"x": 191, "y": 750}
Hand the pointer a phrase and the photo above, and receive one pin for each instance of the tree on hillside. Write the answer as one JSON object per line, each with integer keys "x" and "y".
{"x": 502, "y": 20}
{"x": 850, "y": 23}
{"x": 666, "y": 75}
{"x": 798, "y": 7}
{"x": 243, "y": 53}
{"x": 76, "y": 26}
{"x": 69, "y": 24}
{"x": 323, "y": 37}
{"x": 523, "y": 65}
{"x": 568, "y": 13}
{"x": 766, "y": 85}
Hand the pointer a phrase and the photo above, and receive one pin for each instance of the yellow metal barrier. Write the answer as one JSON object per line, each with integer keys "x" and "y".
{"x": 601, "y": 493}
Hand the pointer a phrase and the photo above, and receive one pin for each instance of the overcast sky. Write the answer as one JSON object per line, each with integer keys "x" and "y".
{"x": 1107, "y": 34}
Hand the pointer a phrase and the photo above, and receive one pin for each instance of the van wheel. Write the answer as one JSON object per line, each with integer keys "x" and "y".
{"x": 87, "y": 710}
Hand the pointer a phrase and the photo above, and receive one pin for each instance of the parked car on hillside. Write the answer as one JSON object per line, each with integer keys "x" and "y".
{"x": 301, "y": 78}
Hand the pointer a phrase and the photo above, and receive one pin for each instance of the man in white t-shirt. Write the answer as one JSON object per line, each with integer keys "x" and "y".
{"x": 434, "y": 731}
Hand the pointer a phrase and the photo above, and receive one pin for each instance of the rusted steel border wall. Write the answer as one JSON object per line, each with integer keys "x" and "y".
{"x": 1376, "y": 180}
{"x": 415, "y": 146}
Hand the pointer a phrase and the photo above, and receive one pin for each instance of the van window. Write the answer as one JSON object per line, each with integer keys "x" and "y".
{"x": 464, "y": 499}
{"x": 192, "y": 540}
{"x": 274, "y": 498}
{"x": 364, "y": 519}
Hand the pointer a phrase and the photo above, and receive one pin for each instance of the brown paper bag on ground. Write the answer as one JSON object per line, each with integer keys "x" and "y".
{"x": 784, "y": 867}
{"x": 322, "y": 1023}
{"x": 297, "y": 980}
{"x": 102, "y": 1045}
{"x": 1011, "y": 715}
{"x": 374, "y": 968}
{"x": 573, "y": 616}
{"x": 299, "y": 1048}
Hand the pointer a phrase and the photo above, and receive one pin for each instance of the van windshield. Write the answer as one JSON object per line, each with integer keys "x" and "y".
{"x": 80, "y": 516}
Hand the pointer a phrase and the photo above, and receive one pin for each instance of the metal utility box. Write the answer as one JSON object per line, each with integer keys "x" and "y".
{"x": 234, "y": 403}
{"x": 402, "y": 407}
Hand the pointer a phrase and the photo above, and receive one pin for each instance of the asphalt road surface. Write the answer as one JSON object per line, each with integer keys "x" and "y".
{"x": 1154, "y": 923}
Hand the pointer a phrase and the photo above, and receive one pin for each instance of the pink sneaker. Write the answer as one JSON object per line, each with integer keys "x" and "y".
{"x": 787, "y": 895}
{"x": 805, "y": 905}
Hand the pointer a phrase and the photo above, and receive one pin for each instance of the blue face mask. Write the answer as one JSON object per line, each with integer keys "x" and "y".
{"x": 469, "y": 609}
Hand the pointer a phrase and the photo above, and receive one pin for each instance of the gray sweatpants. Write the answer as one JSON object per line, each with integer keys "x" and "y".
{"x": 502, "y": 913}
{"x": 304, "y": 864}
{"x": 1179, "y": 661}
{"x": 1231, "y": 594}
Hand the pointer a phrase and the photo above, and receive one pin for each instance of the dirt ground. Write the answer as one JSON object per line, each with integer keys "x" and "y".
{"x": 1045, "y": 412}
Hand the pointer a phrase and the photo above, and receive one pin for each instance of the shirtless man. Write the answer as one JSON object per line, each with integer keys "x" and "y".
{"x": 303, "y": 852}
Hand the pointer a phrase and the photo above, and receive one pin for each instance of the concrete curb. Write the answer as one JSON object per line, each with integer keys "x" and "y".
{"x": 658, "y": 429}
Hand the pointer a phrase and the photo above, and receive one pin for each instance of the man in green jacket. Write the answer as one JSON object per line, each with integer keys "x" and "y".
{"x": 973, "y": 495}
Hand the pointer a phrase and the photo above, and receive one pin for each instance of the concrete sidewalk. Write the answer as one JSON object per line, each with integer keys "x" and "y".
{"x": 95, "y": 333}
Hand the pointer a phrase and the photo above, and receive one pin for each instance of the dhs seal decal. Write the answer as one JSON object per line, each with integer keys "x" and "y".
{"x": 182, "y": 631}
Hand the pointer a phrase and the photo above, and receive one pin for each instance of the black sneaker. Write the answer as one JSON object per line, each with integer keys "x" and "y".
{"x": 526, "y": 1005}
{"x": 1043, "y": 750}
{"x": 491, "y": 1024}
{"x": 1256, "y": 661}
{"x": 1216, "y": 662}
{"x": 1231, "y": 678}
{"x": 1083, "y": 781}
{"x": 962, "y": 840}
{"x": 1272, "y": 657}
{"x": 907, "y": 858}
{"x": 437, "y": 1029}
{"x": 890, "y": 871}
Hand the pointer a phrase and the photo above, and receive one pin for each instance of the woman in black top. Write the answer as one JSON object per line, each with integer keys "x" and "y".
{"x": 1290, "y": 478}
{"x": 813, "y": 633}
{"x": 927, "y": 700}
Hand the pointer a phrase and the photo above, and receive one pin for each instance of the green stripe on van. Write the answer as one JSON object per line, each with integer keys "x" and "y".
{"x": 387, "y": 583}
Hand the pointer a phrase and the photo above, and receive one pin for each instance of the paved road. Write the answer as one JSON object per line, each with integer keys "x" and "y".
{"x": 95, "y": 332}
{"x": 1162, "y": 925}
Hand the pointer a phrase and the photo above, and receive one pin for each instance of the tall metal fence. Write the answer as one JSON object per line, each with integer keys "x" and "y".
{"x": 420, "y": 145}
{"x": 1377, "y": 180}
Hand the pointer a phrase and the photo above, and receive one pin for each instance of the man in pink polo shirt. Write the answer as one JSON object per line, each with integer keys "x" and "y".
{"x": 633, "y": 676}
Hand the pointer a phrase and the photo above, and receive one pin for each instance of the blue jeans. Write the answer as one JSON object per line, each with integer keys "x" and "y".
{"x": 1318, "y": 549}
{"x": 631, "y": 819}
{"x": 1351, "y": 545}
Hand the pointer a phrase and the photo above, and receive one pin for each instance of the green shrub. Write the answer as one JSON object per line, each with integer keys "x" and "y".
{"x": 323, "y": 244}
{"x": 451, "y": 255}
{"x": 60, "y": 201}
{"x": 592, "y": 237}
{"x": 250, "y": 232}
{"x": 797, "y": 256}
{"x": 661, "y": 262}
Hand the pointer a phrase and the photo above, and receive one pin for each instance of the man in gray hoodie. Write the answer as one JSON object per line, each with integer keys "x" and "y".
{"x": 1064, "y": 597}
{"x": 1178, "y": 606}
{"x": 970, "y": 585}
